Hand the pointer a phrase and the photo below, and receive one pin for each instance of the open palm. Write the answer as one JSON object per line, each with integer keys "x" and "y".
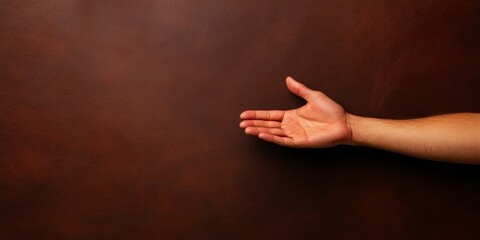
{"x": 319, "y": 123}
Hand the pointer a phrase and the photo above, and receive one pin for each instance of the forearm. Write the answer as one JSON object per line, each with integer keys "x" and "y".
{"x": 451, "y": 137}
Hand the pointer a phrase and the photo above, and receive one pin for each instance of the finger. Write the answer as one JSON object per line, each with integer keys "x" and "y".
{"x": 260, "y": 123}
{"x": 301, "y": 90}
{"x": 283, "y": 141}
{"x": 273, "y": 115}
{"x": 255, "y": 131}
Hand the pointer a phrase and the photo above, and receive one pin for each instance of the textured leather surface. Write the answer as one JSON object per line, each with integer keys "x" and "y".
{"x": 119, "y": 119}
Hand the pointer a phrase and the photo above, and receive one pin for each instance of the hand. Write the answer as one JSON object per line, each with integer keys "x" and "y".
{"x": 319, "y": 123}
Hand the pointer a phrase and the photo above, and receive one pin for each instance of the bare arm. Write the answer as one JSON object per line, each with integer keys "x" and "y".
{"x": 450, "y": 137}
{"x": 321, "y": 122}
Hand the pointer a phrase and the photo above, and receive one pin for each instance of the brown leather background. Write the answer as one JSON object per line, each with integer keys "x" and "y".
{"x": 119, "y": 119}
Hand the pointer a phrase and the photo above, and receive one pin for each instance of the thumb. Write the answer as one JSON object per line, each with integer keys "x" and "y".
{"x": 300, "y": 89}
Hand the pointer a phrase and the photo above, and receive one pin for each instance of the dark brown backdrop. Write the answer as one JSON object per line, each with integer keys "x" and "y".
{"x": 119, "y": 119}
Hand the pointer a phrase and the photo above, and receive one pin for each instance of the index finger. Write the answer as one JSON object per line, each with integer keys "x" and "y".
{"x": 273, "y": 115}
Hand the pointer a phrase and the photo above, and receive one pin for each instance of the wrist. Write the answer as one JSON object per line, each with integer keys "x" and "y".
{"x": 353, "y": 129}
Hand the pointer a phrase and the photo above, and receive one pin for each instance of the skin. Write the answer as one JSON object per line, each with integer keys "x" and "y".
{"x": 321, "y": 122}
